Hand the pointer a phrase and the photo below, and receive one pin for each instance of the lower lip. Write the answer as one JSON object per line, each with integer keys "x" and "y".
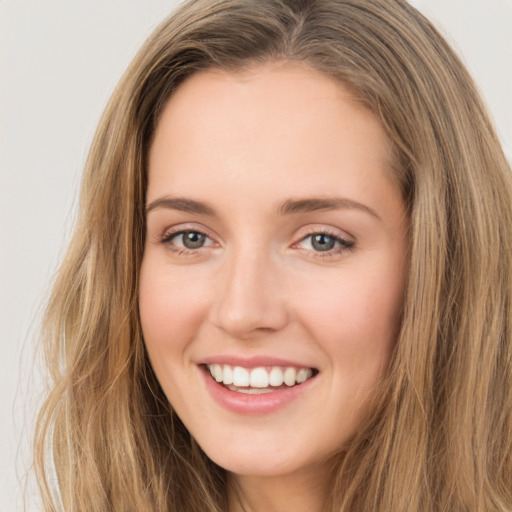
{"x": 243, "y": 403}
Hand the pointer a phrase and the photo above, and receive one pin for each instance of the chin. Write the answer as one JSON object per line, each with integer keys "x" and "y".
{"x": 263, "y": 457}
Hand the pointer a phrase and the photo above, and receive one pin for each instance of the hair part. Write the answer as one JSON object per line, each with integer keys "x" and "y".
{"x": 114, "y": 439}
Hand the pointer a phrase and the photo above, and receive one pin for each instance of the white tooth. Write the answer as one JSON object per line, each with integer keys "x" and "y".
{"x": 228, "y": 374}
{"x": 217, "y": 372}
{"x": 275, "y": 377}
{"x": 240, "y": 376}
{"x": 289, "y": 376}
{"x": 210, "y": 369}
{"x": 303, "y": 375}
{"x": 259, "y": 378}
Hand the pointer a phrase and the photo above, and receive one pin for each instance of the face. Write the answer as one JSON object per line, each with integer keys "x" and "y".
{"x": 273, "y": 275}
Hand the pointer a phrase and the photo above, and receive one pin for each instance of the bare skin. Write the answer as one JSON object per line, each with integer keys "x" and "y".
{"x": 275, "y": 232}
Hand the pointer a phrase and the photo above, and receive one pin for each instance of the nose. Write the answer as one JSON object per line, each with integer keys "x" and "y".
{"x": 249, "y": 299}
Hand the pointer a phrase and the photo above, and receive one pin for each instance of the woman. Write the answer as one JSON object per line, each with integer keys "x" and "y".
{"x": 290, "y": 283}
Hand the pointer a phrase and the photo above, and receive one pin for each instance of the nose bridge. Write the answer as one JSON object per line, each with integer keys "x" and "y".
{"x": 249, "y": 298}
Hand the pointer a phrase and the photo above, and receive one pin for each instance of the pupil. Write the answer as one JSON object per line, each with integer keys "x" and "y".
{"x": 322, "y": 242}
{"x": 193, "y": 240}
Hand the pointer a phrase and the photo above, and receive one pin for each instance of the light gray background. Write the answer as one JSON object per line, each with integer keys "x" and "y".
{"x": 59, "y": 61}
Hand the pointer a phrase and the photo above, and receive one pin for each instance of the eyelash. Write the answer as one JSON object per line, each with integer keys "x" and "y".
{"x": 343, "y": 244}
{"x": 167, "y": 239}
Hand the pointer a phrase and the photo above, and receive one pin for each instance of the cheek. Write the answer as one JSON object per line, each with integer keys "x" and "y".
{"x": 171, "y": 308}
{"x": 354, "y": 318}
{"x": 167, "y": 297}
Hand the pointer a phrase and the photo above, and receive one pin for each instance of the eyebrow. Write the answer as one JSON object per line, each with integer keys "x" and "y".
{"x": 296, "y": 206}
{"x": 181, "y": 204}
{"x": 288, "y": 207}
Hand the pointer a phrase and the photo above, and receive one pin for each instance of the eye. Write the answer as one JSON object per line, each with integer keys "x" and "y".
{"x": 325, "y": 243}
{"x": 322, "y": 242}
{"x": 192, "y": 239}
{"x": 188, "y": 240}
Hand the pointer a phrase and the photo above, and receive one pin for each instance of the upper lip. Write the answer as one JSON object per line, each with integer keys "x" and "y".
{"x": 252, "y": 361}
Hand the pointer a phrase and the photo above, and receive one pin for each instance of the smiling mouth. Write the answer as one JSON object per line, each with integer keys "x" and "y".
{"x": 259, "y": 380}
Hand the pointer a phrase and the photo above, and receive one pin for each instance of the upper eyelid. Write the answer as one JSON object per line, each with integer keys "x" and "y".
{"x": 343, "y": 241}
{"x": 327, "y": 230}
{"x": 167, "y": 236}
{"x": 190, "y": 227}
{"x": 174, "y": 234}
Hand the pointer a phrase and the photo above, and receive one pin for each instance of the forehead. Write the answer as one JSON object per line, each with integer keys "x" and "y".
{"x": 272, "y": 124}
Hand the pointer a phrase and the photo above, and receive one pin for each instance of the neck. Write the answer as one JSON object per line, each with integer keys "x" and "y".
{"x": 304, "y": 491}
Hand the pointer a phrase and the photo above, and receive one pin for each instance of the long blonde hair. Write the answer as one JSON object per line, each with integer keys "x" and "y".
{"x": 440, "y": 438}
